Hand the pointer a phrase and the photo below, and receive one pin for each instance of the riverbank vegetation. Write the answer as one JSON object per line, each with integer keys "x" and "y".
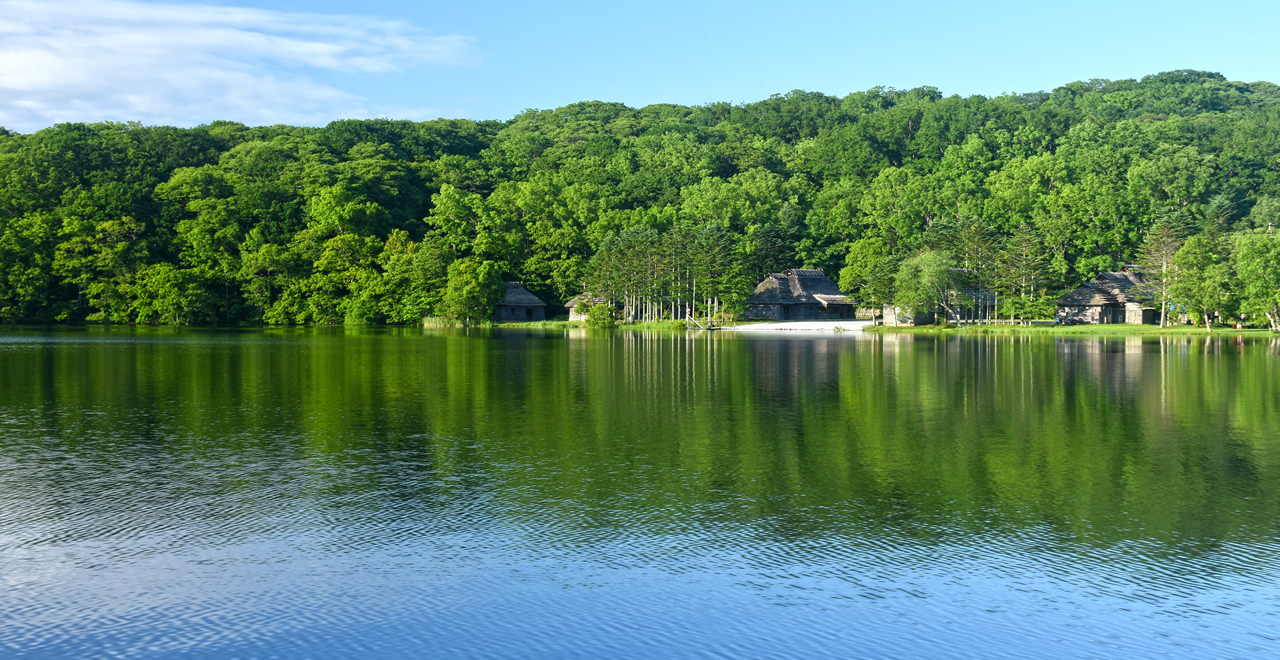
{"x": 670, "y": 209}
{"x": 1046, "y": 329}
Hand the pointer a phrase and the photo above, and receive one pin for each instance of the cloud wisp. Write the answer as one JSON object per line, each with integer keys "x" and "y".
{"x": 90, "y": 60}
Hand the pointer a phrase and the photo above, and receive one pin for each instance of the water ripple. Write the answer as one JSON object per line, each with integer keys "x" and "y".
{"x": 752, "y": 498}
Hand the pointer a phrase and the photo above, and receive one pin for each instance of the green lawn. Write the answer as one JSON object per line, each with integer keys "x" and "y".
{"x": 1103, "y": 329}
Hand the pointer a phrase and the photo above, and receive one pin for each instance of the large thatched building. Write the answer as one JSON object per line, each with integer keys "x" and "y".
{"x": 518, "y": 305}
{"x": 1111, "y": 298}
{"x": 799, "y": 294}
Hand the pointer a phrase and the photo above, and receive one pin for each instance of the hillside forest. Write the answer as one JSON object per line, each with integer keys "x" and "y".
{"x": 904, "y": 196}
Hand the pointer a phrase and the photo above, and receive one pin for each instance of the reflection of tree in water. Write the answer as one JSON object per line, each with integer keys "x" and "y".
{"x": 1099, "y": 442}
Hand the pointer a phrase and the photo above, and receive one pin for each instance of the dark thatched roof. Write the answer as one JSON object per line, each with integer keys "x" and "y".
{"x": 518, "y": 296}
{"x": 1115, "y": 288}
{"x": 798, "y": 285}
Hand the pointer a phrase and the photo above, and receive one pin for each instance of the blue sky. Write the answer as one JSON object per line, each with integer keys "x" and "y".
{"x": 290, "y": 61}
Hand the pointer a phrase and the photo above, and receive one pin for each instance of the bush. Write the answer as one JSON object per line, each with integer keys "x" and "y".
{"x": 603, "y": 315}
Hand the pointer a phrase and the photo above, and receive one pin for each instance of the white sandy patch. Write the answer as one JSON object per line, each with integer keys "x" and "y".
{"x": 803, "y": 326}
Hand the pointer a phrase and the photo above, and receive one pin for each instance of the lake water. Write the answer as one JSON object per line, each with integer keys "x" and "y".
{"x": 369, "y": 493}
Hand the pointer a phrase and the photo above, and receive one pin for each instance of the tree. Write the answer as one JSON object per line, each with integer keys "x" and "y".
{"x": 27, "y": 282}
{"x": 727, "y": 193}
{"x": 414, "y": 277}
{"x": 975, "y": 246}
{"x": 1202, "y": 277}
{"x": 474, "y": 287}
{"x": 165, "y": 294}
{"x": 868, "y": 272}
{"x": 103, "y": 267}
{"x": 927, "y": 281}
{"x": 1220, "y": 213}
{"x": 1265, "y": 213}
{"x": 1157, "y": 261}
{"x": 261, "y": 265}
{"x": 1020, "y": 274}
{"x": 1257, "y": 262}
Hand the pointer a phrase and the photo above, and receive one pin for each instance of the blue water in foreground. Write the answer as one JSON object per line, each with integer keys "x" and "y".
{"x": 563, "y": 494}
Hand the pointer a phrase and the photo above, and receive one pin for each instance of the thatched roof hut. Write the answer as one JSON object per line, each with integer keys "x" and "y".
{"x": 519, "y": 305}
{"x": 1114, "y": 297}
{"x": 798, "y": 294}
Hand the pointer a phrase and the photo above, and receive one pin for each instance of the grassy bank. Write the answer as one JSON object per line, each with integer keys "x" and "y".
{"x": 653, "y": 325}
{"x": 551, "y": 325}
{"x": 1074, "y": 330}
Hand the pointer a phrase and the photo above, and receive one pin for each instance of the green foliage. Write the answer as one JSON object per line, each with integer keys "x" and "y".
{"x": 1157, "y": 259}
{"x": 868, "y": 271}
{"x": 603, "y": 316}
{"x": 673, "y": 211}
{"x": 474, "y": 287}
{"x": 26, "y": 278}
{"x": 687, "y": 272}
{"x": 1265, "y": 214}
{"x": 165, "y": 294}
{"x": 1257, "y": 264}
{"x": 1202, "y": 279}
{"x": 929, "y": 281}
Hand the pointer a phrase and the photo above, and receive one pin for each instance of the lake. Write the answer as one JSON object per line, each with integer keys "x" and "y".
{"x": 562, "y": 494}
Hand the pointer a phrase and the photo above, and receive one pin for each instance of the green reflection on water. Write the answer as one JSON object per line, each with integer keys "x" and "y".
{"x": 1101, "y": 440}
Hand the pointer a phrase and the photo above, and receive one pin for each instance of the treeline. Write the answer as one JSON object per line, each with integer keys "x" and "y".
{"x": 682, "y": 274}
{"x": 1214, "y": 269}
{"x": 386, "y": 221}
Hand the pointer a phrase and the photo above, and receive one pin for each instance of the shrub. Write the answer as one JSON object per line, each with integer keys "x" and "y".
{"x": 602, "y": 315}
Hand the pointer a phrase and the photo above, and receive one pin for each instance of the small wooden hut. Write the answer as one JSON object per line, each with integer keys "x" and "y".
{"x": 518, "y": 305}
{"x": 1111, "y": 298}
{"x": 800, "y": 294}
{"x": 578, "y": 305}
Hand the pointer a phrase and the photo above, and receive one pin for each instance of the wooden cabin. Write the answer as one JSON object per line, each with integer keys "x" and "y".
{"x": 800, "y": 294}
{"x": 1111, "y": 298}
{"x": 579, "y": 304}
{"x": 577, "y": 307}
{"x": 519, "y": 306}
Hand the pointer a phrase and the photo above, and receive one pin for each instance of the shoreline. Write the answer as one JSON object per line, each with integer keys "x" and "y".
{"x": 1100, "y": 329}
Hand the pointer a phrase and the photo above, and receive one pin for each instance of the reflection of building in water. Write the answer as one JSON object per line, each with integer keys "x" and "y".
{"x": 1118, "y": 362}
{"x": 663, "y": 364}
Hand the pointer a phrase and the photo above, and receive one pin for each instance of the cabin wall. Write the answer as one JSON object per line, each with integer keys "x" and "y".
{"x": 768, "y": 312}
{"x": 518, "y": 314}
{"x": 813, "y": 312}
{"x": 1098, "y": 314}
{"x": 1135, "y": 314}
{"x": 798, "y": 312}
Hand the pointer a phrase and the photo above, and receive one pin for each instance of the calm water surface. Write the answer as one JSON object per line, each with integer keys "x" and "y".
{"x": 528, "y": 494}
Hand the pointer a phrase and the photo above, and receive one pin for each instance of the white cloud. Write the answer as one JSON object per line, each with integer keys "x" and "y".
{"x": 90, "y": 60}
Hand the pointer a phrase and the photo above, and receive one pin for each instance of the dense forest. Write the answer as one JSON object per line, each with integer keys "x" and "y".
{"x": 384, "y": 221}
